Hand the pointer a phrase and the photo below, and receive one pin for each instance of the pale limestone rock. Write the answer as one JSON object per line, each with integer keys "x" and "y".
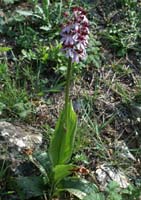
{"x": 13, "y": 140}
{"x": 106, "y": 173}
{"x": 20, "y": 136}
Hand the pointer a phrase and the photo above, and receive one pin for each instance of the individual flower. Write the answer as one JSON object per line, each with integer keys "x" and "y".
{"x": 75, "y": 35}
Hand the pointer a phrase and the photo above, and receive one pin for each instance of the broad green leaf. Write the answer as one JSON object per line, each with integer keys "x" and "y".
{"x": 61, "y": 171}
{"x": 61, "y": 146}
{"x": 30, "y": 186}
{"x": 40, "y": 167}
{"x": 79, "y": 194}
{"x": 78, "y": 187}
{"x": 43, "y": 159}
{"x": 94, "y": 196}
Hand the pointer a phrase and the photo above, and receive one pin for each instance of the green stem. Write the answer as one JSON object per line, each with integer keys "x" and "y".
{"x": 51, "y": 192}
{"x": 68, "y": 79}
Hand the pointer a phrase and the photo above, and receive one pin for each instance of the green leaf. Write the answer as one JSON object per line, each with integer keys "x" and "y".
{"x": 113, "y": 191}
{"x": 25, "y": 13}
{"x": 30, "y": 186}
{"x": 79, "y": 194}
{"x": 94, "y": 196}
{"x": 2, "y": 106}
{"x": 46, "y": 28}
{"x": 113, "y": 186}
{"x": 61, "y": 171}
{"x": 3, "y": 69}
{"x": 61, "y": 146}
{"x": 8, "y": 1}
{"x": 43, "y": 159}
{"x": 78, "y": 187}
{"x": 5, "y": 49}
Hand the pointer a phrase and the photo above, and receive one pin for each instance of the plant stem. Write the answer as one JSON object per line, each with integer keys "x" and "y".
{"x": 68, "y": 78}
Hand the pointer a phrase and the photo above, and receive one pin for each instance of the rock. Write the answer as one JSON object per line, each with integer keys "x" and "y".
{"x": 13, "y": 140}
{"x": 20, "y": 137}
{"x": 106, "y": 173}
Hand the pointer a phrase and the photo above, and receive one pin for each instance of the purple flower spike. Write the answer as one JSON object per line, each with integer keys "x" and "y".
{"x": 75, "y": 35}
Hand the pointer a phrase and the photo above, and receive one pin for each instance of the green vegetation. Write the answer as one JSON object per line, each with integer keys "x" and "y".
{"x": 105, "y": 91}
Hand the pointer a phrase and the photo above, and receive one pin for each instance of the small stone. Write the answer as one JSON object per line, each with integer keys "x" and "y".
{"x": 106, "y": 173}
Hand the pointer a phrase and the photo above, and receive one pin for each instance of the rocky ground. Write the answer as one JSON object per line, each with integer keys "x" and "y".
{"x": 106, "y": 94}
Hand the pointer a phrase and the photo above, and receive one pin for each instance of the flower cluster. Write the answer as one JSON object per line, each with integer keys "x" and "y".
{"x": 75, "y": 35}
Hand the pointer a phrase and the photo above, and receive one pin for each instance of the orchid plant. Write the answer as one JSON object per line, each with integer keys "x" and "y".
{"x": 58, "y": 174}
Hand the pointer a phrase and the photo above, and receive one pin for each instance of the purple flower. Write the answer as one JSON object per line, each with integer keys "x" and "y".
{"x": 67, "y": 40}
{"x": 75, "y": 35}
